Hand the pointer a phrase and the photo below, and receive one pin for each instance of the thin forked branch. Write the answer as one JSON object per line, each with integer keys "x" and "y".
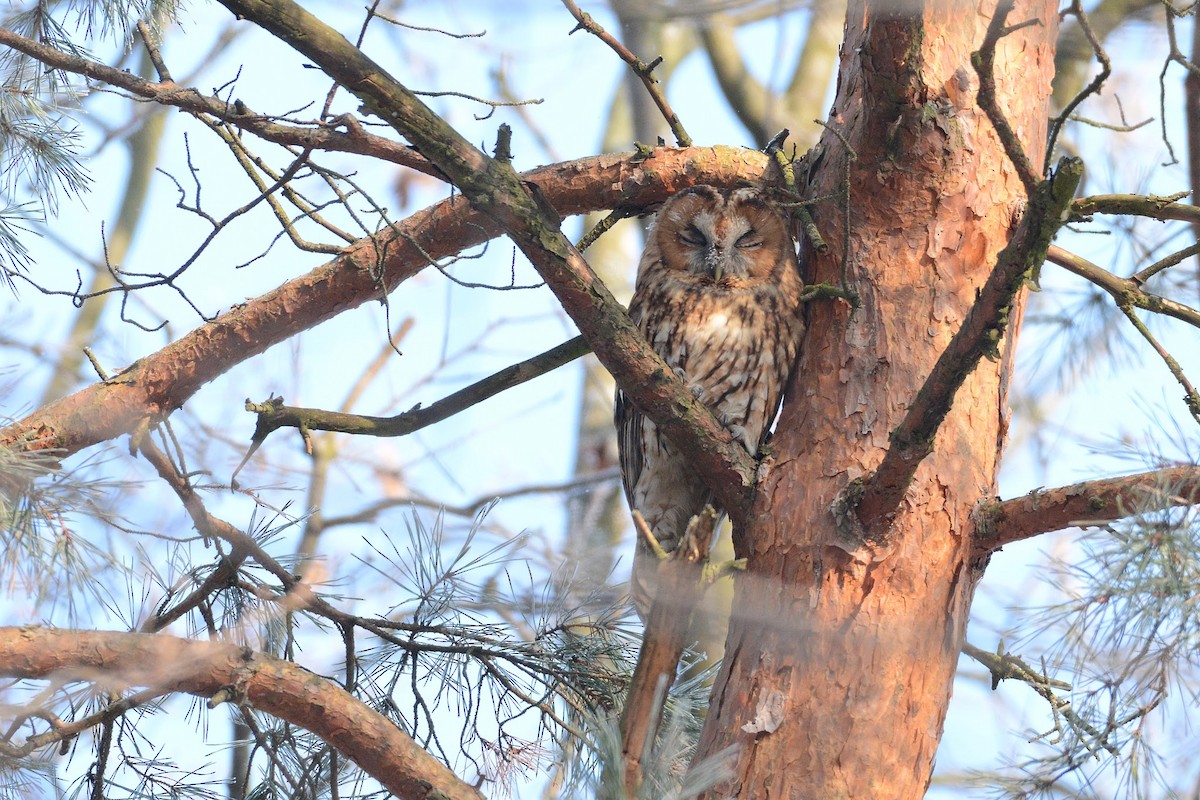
{"x": 318, "y": 136}
{"x": 644, "y": 70}
{"x": 984, "y": 62}
{"x": 1124, "y": 291}
{"x": 1056, "y": 123}
{"x": 273, "y": 414}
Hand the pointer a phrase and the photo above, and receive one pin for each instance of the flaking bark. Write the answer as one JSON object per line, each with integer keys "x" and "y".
{"x": 862, "y": 647}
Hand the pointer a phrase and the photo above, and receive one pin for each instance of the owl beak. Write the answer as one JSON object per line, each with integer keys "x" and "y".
{"x": 712, "y": 260}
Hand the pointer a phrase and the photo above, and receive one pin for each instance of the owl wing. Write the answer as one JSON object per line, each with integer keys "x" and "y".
{"x": 628, "y": 420}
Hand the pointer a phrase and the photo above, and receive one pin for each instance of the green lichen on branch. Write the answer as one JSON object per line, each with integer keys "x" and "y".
{"x": 1160, "y": 207}
{"x": 827, "y": 291}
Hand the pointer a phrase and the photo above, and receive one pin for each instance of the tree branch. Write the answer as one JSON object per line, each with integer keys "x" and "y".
{"x": 524, "y": 212}
{"x": 985, "y": 323}
{"x": 156, "y": 385}
{"x": 279, "y": 688}
{"x": 324, "y": 136}
{"x": 1088, "y": 503}
{"x": 1093, "y": 88}
{"x": 1005, "y": 666}
{"x": 984, "y": 62}
{"x": 273, "y": 414}
{"x": 1138, "y": 205}
{"x": 1123, "y": 290}
{"x": 643, "y": 70}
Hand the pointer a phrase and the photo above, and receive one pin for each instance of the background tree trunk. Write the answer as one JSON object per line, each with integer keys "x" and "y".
{"x": 840, "y": 664}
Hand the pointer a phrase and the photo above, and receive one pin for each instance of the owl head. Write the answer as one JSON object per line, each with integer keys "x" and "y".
{"x": 721, "y": 236}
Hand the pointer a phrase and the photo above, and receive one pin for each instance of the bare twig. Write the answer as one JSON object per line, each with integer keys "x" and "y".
{"x": 153, "y": 51}
{"x": 273, "y": 414}
{"x": 1056, "y": 123}
{"x": 474, "y": 506}
{"x": 1174, "y": 56}
{"x": 602, "y": 227}
{"x": 1179, "y": 256}
{"x": 1190, "y": 397}
{"x": 984, "y": 62}
{"x": 423, "y": 29}
{"x": 642, "y": 69}
{"x": 319, "y": 136}
{"x": 1005, "y": 666}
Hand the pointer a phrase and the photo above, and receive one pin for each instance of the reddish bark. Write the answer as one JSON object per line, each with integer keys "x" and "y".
{"x": 161, "y": 382}
{"x": 1088, "y": 503}
{"x": 206, "y": 669}
{"x": 863, "y": 650}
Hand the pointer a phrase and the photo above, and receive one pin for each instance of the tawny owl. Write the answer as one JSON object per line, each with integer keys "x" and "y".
{"x": 717, "y": 296}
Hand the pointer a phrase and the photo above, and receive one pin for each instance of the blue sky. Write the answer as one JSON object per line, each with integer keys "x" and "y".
{"x": 1092, "y": 423}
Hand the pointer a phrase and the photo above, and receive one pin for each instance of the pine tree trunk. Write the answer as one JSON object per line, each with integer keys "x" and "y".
{"x": 839, "y": 667}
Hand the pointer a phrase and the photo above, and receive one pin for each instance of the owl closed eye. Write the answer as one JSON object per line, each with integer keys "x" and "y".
{"x": 717, "y": 296}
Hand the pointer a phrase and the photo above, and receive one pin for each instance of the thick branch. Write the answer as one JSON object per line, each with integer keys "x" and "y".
{"x": 158, "y": 384}
{"x": 522, "y": 210}
{"x": 276, "y": 687}
{"x": 1088, "y": 503}
{"x": 913, "y": 438}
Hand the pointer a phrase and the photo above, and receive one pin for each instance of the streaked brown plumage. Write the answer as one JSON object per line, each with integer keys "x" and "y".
{"x": 717, "y": 295}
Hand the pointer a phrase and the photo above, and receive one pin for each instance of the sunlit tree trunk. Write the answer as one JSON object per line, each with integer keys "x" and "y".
{"x": 839, "y": 664}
